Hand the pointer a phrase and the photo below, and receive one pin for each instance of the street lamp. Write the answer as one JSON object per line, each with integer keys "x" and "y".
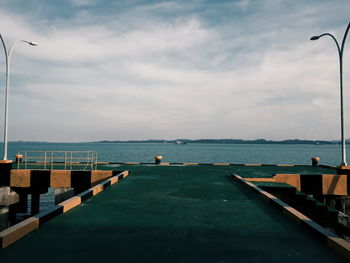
{"x": 340, "y": 52}
{"x": 7, "y": 60}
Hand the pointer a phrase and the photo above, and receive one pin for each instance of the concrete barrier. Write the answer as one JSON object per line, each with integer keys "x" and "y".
{"x": 15, "y": 232}
{"x": 335, "y": 242}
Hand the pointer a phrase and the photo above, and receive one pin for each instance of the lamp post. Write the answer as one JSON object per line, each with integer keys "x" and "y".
{"x": 340, "y": 53}
{"x": 7, "y": 60}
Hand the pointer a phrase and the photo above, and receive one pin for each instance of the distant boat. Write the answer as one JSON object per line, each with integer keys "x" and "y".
{"x": 179, "y": 142}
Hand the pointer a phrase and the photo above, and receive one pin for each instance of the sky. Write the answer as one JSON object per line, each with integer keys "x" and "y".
{"x": 134, "y": 70}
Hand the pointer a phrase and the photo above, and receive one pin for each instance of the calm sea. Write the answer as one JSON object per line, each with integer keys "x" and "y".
{"x": 198, "y": 153}
{"x": 202, "y": 153}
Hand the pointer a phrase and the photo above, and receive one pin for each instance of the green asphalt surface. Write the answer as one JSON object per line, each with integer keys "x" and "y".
{"x": 175, "y": 214}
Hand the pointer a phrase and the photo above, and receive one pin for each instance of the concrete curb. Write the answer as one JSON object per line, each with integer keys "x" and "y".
{"x": 333, "y": 241}
{"x": 15, "y": 232}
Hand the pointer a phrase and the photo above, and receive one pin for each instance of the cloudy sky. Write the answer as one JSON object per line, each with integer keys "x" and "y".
{"x": 120, "y": 70}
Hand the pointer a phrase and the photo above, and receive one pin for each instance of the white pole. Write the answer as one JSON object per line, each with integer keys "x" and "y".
{"x": 7, "y": 87}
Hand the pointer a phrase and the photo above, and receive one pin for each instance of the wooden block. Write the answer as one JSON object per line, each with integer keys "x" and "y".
{"x": 20, "y": 178}
{"x": 291, "y": 179}
{"x": 60, "y": 179}
{"x": 334, "y": 184}
{"x": 98, "y": 176}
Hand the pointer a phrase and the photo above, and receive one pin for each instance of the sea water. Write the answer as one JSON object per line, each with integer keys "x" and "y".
{"x": 189, "y": 153}
{"x": 193, "y": 152}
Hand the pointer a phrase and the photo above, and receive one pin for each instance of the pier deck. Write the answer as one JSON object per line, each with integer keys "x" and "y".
{"x": 175, "y": 214}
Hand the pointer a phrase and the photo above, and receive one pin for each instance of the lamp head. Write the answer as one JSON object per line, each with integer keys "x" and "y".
{"x": 32, "y": 43}
{"x": 314, "y": 37}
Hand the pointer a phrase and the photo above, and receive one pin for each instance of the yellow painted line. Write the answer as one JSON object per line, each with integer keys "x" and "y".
{"x": 70, "y": 203}
{"x": 97, "y": 189}
{"x": 294, "y": 214}
{"x": 344, "y": 167}
{"x": 268, "y": 195}
{"x": 6, "y": 161}
{"x": 221, "y": 164}
{"x": 125, "y": 174}
{"x": 286, "y": 165}
{"x": 252, "y": 164}
{"x": 339, "y": 245}
{"x": 19, "y": 230}
{"x": 102, "y": 163}
{"x": 164, "y": 164}
{"x": 260, "y": 179}
{"x": 250, "y": 184}
{"x": 114, "y": 179}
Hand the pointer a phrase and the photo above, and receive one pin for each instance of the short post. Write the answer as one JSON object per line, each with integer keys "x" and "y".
{"x": 19, "y": 158}
{"x": 158, "y": 159}
{"x": 315, "y": 161}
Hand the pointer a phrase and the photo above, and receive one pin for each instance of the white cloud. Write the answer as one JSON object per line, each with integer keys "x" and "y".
{"x": 83, "y": 2}
{"x": 183, "y": 76}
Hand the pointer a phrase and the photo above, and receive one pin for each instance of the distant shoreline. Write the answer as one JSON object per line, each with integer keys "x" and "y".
{"x": 231, "y": 141}
{"x": 206, "y": 141}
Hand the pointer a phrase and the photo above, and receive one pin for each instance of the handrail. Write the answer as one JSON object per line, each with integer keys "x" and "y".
{"x": 58, "y": 159}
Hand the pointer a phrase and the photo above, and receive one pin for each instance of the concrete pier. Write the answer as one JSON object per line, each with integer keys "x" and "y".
{"x": 177, "y": 214}
{"x": 8, "y": 199}
{"x": 24, "y": 182}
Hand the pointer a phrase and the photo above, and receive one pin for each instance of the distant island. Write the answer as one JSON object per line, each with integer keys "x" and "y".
{"x": 232, "y": 141}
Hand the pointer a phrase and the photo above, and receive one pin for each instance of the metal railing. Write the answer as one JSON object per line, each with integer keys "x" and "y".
{"x": 65, "y": 160}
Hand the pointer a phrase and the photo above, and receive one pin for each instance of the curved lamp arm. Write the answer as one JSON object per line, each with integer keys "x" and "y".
{"x": 20, "y": 41}
{"x": 335, "y": 40}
